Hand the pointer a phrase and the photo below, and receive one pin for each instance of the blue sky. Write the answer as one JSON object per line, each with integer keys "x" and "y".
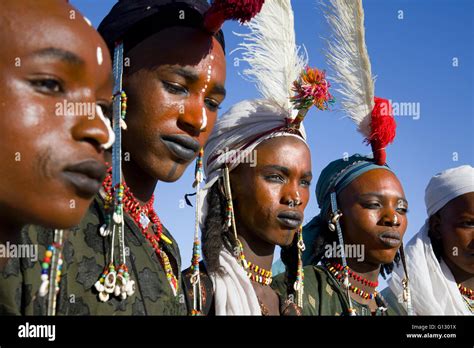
{"x": 422, "y": 54}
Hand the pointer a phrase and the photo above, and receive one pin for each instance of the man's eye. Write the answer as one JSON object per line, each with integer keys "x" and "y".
{"x": 402, "y": 210}
{"x": 48, "y": 86}
{"x": 274, "y": 178}
{"x": 212, "y": 105}
{"x": 306, "y": 183}
{"x": 174, "y": 88}
{"x": 372, "y": 205}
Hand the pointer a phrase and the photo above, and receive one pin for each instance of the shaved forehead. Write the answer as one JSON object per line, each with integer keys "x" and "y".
{"x": 31, "y": 26}
{"x": 33, "y": 21}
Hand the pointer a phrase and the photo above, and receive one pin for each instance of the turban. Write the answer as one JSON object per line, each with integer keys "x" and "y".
{"x": 135, "y": 20}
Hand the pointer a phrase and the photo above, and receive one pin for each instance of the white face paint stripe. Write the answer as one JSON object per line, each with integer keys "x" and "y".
{"x": 106, "y": 121}
{"x": 100, "y": 57}
{"x": 204, "y": 119}
{"x": 88, "y": 21}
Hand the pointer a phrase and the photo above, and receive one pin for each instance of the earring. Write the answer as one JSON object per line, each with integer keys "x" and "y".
{"x": 230, "y": 208}
{"x": 196, "y": 278}
{"x": 115, "y": 280}
{"x": 299, "y": 283}
{"x": 333, "y": 220}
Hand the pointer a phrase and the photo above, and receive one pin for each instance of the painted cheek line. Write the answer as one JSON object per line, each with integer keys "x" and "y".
{"x": 100, "y": 57}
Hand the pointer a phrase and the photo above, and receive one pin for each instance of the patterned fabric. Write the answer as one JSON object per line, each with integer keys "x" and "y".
{"x": 84, "y": 255}
{"x": 207, "y": 291}
{"x": 323, "y": 295}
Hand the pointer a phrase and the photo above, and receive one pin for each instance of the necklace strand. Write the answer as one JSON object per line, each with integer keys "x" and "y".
{"x": 143, "y": 215}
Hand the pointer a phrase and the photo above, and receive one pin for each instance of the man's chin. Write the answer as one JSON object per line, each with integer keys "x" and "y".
{"x": 171, "y": 172}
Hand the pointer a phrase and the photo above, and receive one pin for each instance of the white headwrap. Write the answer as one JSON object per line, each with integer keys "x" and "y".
{"x": 433, "y": 288}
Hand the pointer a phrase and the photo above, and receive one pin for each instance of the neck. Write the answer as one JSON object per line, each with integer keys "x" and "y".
{"x": 257, "y": 251}
{"x": 140, "y": 183}
{"x": 461, "y": 276}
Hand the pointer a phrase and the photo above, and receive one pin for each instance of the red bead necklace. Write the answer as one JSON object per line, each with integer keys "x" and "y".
{"x": 355, "y": 276}
{"x": 143, "y": 215}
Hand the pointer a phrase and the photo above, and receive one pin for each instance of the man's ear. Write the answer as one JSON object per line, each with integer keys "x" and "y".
{"x": 434, "y": 223}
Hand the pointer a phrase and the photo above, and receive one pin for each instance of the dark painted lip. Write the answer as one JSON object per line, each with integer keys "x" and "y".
{"x": 290, "y": 219}
{"x": 182, "y": 146}
{"x": 390, "y": 239}
{"x": 85, "y": 176}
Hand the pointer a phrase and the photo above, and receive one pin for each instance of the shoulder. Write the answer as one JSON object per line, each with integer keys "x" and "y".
{"x": 393, "y": 304}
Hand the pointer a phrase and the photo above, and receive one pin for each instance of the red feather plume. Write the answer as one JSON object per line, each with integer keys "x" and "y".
{"x": 383, "y": 129}
{"x": 222, "y": 10}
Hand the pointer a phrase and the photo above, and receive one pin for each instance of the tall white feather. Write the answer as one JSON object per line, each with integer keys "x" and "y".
{"x": 271, "y": 51}
{"x": 349, "y": 61}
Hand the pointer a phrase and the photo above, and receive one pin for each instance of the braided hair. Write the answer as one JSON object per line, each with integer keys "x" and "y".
{"x": 216, "y": 234}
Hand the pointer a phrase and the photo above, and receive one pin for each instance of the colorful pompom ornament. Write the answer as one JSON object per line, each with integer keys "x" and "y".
{"x": 312, "y": 88}
{"x": 222, "y": 10}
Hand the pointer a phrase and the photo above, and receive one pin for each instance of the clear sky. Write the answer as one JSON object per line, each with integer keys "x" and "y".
{"x": 422, "y": 54}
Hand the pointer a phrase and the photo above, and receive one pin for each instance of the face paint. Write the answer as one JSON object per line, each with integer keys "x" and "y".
{"x": 204, "y": 115}
{"x": 204, "y": 118}
{"x": 88, "y": 21}
{"x": 100, "y": 58}
{"x": 111, "y": 140}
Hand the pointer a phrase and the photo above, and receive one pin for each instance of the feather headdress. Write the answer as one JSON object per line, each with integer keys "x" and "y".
{"x": 348, "y": 58}
{"x": 279, "y": 67}
{"x": 271, "y": 51}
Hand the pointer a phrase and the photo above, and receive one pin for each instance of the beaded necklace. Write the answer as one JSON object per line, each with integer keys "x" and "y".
{"x": 355, "y": 276}
{"x": 469, "y": 293}
{"x": 51, "y": 269}
{"x": 254, "y": 272}
{"x": 339, "y": 275}
{"x": 143, "y": 215}
{"x": 467, "y": 296}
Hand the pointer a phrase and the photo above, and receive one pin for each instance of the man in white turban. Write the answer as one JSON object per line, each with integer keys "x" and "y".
{"x": 440, "y": 257}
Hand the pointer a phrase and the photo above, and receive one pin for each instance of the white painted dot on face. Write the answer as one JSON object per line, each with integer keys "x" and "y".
{"x": 203, "y": 90}
{"x": 88, "y": 21}
{"x": 212, "y": 57}
{"x": 100, "y": 57}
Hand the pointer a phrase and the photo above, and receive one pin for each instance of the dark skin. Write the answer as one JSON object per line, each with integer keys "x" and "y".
{"x": 369, "y": 204}
{"x": 167, "y": 88}
{"x": 260, "y": 193}
{"x": 453, "y": 226}
{"x": 44, "y": 63}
